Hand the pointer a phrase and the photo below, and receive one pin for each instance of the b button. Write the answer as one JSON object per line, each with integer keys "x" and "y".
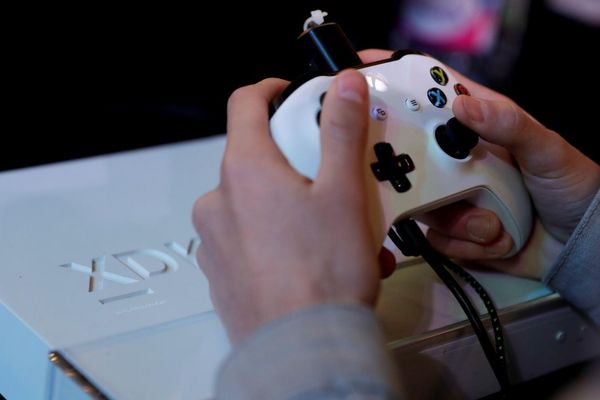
{"x": 459, "y": 88}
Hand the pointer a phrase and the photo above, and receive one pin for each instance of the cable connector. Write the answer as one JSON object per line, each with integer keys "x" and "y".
{"x": 317, "y": 17}
{"x": 408, "y": 237}
{"x": 325, "y": 45}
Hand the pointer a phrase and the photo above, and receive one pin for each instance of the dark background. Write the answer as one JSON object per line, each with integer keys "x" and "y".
{"x": 93, "y": 81}
{"x": 105, "y": 78}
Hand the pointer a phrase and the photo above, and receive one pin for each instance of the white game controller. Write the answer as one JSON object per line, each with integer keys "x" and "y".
{"x": 419, "y": 157}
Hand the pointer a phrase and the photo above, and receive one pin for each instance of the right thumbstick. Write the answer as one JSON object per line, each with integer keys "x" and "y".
{"x": 456, "y": 139}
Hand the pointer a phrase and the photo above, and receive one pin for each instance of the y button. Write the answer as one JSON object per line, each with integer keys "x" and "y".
{"x": 439, "y": 75}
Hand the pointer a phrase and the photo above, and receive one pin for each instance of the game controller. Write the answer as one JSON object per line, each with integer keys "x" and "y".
{"x": 419, "y": 157}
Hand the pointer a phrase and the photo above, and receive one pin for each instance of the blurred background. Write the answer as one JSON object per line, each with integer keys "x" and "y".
{"x": 90, "y": 79}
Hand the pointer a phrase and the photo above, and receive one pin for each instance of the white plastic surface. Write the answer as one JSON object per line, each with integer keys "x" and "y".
{"x": 127, "y": 217}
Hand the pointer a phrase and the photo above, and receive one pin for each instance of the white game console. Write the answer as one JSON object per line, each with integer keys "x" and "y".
{"x": 100, "y": 296}
{"x": 94, "y": 251}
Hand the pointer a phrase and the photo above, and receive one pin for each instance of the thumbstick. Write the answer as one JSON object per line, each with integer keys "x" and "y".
{"x": 456, "y": 139}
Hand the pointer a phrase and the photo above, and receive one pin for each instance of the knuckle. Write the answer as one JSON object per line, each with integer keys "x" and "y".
{"x": 237, "y": 96}
{"x": 204, "y": 210}
{"x": 271, "y": 81}
{"x": 516, "y": 119}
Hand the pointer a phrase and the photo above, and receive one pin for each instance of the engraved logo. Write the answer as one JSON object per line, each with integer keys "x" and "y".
{"x": 142, "y": 264}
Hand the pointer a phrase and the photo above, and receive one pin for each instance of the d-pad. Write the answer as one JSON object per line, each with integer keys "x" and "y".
{"x": 392, "y": 167}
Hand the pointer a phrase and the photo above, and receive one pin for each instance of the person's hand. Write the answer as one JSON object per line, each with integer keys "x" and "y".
{"x": 273, "y": 241}
{"x": 561, "y": 180}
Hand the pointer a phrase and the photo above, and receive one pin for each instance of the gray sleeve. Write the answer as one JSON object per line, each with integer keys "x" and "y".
{"x": 332, "y": 351}
{"x": 576, "y": 274}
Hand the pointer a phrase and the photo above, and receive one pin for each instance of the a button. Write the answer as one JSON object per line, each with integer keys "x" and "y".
{"x": 439, "y": 75}
{"x": 437, "y": 97}
{"x": 459, "y": 88}
{"x": 379, "y": 113}
{"x": 391, "y": 167}
{"x": 412, "y": 104}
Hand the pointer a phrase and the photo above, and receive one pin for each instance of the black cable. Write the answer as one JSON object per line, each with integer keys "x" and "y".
{"x": 409, "y": 238}
{"x": 488, "y": 304}
{"x": 497, "y": 362}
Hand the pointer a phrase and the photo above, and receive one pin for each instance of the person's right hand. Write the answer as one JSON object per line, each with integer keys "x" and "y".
{"x": 561, "y": 180}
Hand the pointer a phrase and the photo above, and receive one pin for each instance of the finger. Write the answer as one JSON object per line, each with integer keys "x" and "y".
{"x": 344, "y": 133}
{"x": 468, "y": 250}
{"x": 387, "y": 263}
{"x": 373, "y": 55}
{"x": 465, "y": 222}
{"x": 536, "y": 149}
{"x": 248, "y": 120}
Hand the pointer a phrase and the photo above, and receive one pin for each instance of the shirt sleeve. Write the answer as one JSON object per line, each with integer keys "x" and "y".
{"x": 330, "y": 351}
{"x": 576, "y": 274}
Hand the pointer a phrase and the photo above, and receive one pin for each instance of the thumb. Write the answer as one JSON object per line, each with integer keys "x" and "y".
{"x": 344, "y": 123}
{"x": 536, "y": 149}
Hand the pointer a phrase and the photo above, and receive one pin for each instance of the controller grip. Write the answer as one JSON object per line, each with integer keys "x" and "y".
{"x": 514, "y": 212}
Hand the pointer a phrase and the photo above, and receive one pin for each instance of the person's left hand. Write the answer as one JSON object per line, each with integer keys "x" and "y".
{"x": 274, "y": 241}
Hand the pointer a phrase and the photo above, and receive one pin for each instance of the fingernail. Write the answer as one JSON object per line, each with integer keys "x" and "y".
{"x": 478, "y": 228}
{"x": 350, "y": 86}
{"x": 474, "y": 108}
